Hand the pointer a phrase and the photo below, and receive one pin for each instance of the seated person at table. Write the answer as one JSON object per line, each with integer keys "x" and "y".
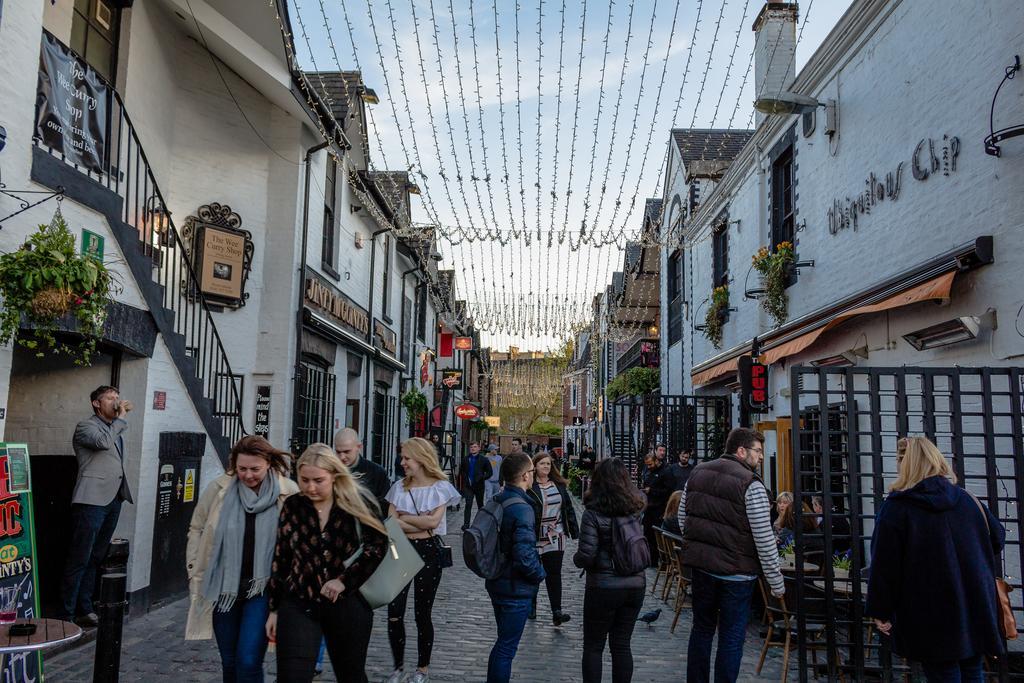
{"x": 670, "y": 521}
{"x": 837, "y": 523}
{"x": 787, "y": 527}
{"x": 782, "y": 503}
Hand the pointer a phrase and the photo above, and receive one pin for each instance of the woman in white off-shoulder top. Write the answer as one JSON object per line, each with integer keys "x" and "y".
{"x": 419, "y": 503}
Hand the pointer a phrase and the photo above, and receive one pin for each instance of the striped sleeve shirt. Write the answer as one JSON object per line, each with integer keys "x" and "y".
{"x": 760, "y": 519}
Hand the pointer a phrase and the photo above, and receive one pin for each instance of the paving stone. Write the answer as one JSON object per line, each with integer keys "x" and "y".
{"x": 155, "y": 650}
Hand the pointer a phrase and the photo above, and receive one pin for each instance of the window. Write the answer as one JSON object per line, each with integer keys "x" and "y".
{"x": 573, "y": 396}
{"x": 94, "y": 29}
{"x": 783, "y": 198}
{"x": 675, "y": 297}
{"x": 720, "y": 246}
{"x": 407, "y": 332}
{"x": 315, "y": 402}
{"x": 328, "y": 246}
{"x": 385, "y": 299}
{"x": 421, "y": 313}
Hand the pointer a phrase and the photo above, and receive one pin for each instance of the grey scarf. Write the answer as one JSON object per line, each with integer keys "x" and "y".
{"x": 220, "y": 585}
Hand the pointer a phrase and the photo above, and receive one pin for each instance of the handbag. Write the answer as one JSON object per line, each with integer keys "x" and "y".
{"x": 1007, "y": 620}
{"x": 444, "y": 551}
{"x": 400, "y": 565}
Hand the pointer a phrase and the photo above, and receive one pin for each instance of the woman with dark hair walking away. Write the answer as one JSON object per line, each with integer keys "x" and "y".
{"x": 330, "y": 540}
{"x": 230, "y": 552}
{"x": 933, "y": 566}
{"x": 612, "y": 600}
{"x": 557, "y": 519}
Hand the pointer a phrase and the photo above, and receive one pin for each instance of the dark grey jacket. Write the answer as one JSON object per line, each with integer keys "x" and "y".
{"x": 594, "y": 554}
{"x": 99, "y": 449}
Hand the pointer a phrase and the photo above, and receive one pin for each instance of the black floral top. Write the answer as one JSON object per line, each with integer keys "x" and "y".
{"x": 306, "y": 558}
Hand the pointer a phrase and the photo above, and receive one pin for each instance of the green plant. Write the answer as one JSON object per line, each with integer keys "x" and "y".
{"x": 774, "y": 267}
{"x": 842, "y": 561}
{"x": 415, "y": 403}
{"x": 546, "y": 429}
{"x": 715, "y": 433}
{"x": 715, "y": 317}
{"x": 787, "y": 550}
{"x": 575, "y": 478}
{"x": 633, "y": 382}
{"x": 45, "y": 280}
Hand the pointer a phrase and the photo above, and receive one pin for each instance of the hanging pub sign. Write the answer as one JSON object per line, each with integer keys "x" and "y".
{"x": 463, "y": 343}
{"x": 753, "y": 377}
{"x": 451, "y": 379}
{"x": 221, "y": 253}
{"x": 467, "y": 411}
{"x": 72, "y": 104}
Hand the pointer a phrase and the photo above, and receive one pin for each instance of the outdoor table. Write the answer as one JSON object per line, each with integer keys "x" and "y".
{"x": 843, "y": 586}
{"x": 49, "y": 633}
{"x": 809, "y": 568}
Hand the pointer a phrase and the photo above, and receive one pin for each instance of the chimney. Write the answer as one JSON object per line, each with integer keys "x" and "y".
{"x": 774, "y": 50}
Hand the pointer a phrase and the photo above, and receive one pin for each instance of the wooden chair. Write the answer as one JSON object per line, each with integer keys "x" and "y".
{"x": 682, "y": 582}
{"x": 674, "y": 569}
{"x": 664, "y": 561}
{"x": 783, "y": 632}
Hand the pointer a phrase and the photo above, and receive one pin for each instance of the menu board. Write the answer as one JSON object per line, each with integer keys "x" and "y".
{"x": 18, "y": 553}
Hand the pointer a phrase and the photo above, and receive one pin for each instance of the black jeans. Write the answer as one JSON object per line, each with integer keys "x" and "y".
{"x": 92, "y": 527}
{"x": 652, "y": 517}
{"x": 552, "y": 562}
{"x": 609, "y": 613}
{"x": 469, "y": 495}
{"x": 424, "y": 590}
{"x": 345, "y": 625}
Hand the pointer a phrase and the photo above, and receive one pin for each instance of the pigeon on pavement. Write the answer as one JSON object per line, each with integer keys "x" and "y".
{"x": 650, "y": 617}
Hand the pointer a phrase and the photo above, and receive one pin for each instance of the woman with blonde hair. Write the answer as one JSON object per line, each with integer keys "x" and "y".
{"x": 783, "y": 502}
{"x": 230, "y": 552}
{"x": 933, "y": 566}
{"x": 329, "y": 542}
{"x": 419, "y": 503}
{"x": 670, "y": 520}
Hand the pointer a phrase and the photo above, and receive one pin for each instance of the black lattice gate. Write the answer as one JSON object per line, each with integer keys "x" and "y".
{"x": 845, "y": 428}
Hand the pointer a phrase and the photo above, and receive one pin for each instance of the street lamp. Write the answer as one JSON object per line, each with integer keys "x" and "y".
{"x": 787, "y": 102}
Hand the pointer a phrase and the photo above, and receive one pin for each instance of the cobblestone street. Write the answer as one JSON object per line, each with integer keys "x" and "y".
{"x": 154, "y": 649}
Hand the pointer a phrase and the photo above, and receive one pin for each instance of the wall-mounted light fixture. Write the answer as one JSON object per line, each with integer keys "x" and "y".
{"x": 157, "y": 217}
{"x": 786, "y": 103}
{"x": 844, "y": 359}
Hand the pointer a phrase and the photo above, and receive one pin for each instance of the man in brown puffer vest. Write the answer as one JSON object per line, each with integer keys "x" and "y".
{"x": 725, "y": 516}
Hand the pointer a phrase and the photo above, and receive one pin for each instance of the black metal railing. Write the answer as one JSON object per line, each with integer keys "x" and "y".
{"x": 641, "y": 353}
{"x": 127, "y": 172}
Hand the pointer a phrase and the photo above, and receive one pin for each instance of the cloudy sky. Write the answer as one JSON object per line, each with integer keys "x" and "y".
{"x": 528, "y": 126}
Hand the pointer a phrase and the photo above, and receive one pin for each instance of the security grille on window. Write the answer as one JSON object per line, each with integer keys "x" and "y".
{"x": 315, "y": 402}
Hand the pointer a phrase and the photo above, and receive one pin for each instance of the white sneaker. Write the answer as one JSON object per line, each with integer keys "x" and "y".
{"x": 395, "y": 677}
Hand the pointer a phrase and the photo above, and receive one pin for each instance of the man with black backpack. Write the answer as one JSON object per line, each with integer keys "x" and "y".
{"x": 725, "y": 516}
{"x": 501, "y": 546}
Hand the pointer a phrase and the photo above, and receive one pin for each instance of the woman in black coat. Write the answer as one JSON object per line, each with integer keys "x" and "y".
{"x": 933, "y": 563}
{"x": 556, "y": 520}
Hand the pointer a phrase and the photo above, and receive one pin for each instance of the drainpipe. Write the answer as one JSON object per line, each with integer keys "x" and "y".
{"x": 369, "y": 340}
{"x": 298, "y": 311}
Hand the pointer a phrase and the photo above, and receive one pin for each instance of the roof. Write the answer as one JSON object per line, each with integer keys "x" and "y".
{"x": 633, "y": 252}
{"x": 394, "y": 186}
{"x": 717, "y": 144}
{"x": 652, "y": 210}
{"x": 337, "y": 88}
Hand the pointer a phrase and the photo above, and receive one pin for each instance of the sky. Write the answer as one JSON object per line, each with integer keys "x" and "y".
{"x": 537, "y": 130}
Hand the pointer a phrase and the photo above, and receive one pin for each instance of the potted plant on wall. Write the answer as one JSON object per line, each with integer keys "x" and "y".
{"x": 714, "y": 319}
{"x": 776, "y": 268}
{"x": 633, "y": 382}
{"x": 48, "y": 286}
{"x": 415, "y": 403}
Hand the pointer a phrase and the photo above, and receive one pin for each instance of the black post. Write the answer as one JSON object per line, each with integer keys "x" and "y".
{"x": 107, "y": 665}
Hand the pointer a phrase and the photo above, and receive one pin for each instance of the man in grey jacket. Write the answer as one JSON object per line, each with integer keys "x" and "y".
{"x": 96, "y": 503}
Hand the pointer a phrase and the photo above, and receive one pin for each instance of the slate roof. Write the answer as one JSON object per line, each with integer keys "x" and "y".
{"x": 652, "y": 210}
{"x": 633, "y": 251}
{"x": 394, "y": 186}
{"x": 337, "y": 88}
{"x": 717, "y": 144}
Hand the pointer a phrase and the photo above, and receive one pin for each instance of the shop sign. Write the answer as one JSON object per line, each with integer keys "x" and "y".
{"x": 71, "y": 106}
{"x": 322, "y": 296}
{"x": 92, "y": 244}
{"x": 467, "y": 411}
{"x": 221, "y": 252}
{"x": 753, "y": 378}
{"x": 451, "y": 379}
{"x": 384, "y": 337}
{"x": 464, "y": 343}
{"x": 930, "y": 157}
{"x": 262, "y": 424}
{"x": 493, "y": 421}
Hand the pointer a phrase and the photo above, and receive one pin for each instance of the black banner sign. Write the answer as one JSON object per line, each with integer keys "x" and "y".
{"x": 451, "y": 379}
{"x": 262, "y": 427}
{"x": 753, "y": 384}
{"x": 71, "y": 106}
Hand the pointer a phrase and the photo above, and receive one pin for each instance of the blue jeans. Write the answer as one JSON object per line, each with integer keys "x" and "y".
{"x": 965, "y": 671}
{"x": 92, "y": 527}
{"x": 725, "y": 606}
{"x": 510, "y": 615}
{"x": 242, "y": 639}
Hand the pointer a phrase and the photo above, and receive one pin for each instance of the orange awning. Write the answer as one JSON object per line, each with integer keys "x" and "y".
{"x": 936, "y": 288}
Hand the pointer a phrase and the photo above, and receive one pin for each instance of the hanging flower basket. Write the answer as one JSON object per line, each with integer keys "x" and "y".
{"x": 415, "y": 403}
{"x": 776, "y": 268}
{"x": 46, "y": 280}
{"x": 714, "y": 319}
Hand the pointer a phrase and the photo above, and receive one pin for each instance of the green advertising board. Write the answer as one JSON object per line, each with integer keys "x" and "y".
{"x": 18, "y": 553}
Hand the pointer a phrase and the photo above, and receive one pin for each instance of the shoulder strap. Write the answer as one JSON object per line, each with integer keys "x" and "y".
{"x": 359, "y": 551}
{"x": 980, "y": 509}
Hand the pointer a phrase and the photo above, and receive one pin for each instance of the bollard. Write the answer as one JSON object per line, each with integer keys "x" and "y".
{"x": 116, "y": 560}
{"x": 113, "y": 590}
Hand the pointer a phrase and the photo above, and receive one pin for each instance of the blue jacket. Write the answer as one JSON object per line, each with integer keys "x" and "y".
{"x": 518, "y": 541}
{"x": 933, "y": 563}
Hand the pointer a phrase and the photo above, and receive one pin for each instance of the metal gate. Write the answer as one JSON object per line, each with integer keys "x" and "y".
{"x": 845, "y": 428}
{"x": 314, "y": 405}
{"x": 637, "y": 424}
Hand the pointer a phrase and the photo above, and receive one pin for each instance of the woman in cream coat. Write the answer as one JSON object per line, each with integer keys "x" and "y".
{"x": 230, "y": 549}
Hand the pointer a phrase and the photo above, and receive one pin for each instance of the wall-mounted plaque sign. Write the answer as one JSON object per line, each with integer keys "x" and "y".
{"x": 262, "y": 423}
{"x": 324, "y": 297}
{"x": 221, "y": 253}
{"x": 384, "y": 338}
